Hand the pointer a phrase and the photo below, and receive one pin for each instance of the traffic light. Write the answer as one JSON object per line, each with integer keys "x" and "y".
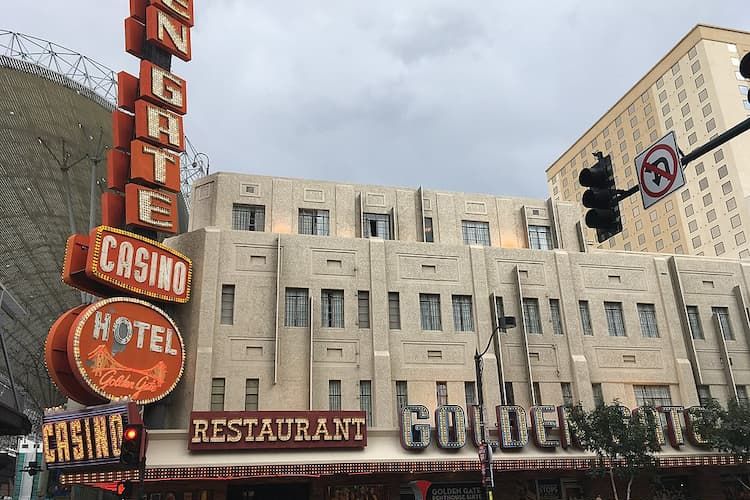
{"x": 745, "y": 70}
{"x": 124, "y": 489}
{"x": 601, "y": 197}
{"x": 133, "y": 445}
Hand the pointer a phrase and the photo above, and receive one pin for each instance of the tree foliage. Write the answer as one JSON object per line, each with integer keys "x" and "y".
{"x": 727, "y": 430}
{"x": 623, "y": 442}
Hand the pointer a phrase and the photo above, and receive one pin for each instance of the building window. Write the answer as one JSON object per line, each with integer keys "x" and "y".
{"x": 653, "y": 395}
{"x": 647, "y": 315}
{"x": 402, "y": 395}
{"x": 463, "y": 318}
{"x": 217, "y": 394}
{"x": 363, "y": 308}
{"x": 429, "y": 308}
{"x": 557, "y": 323}
{"x": 251, "y": 394}
{"x": 567, "y": 393}
{"x": 476, "y": 233}
{"x": 536, "y": 399}
{"x": 248, "y": 217}
{"x": 295, "y": 309}
{"x": 429, "y": 235}
{"x": 694, "y": 320}
{"x": 332, "y": 308}
{"x": 227, "y": 304}
{"x": 313, "y": 221}
{"x": 510, "y": 398}
{"x": 598, "y": 395}
{"x": 334, "y": 395}
{"x": 540, "y": 238}
{"x": 704, "y": 395}
{"x": 583, "y": 309}
{"x": 394, "y": 311}
{"x": 470, "y": 391}
{"x": 531, "y": 316}
{"x": 365, "y": 399}
{"x": 377, "y": 226}
{"x": 742, "y": 395}
{"x": 442, "y": 393}
{"x": 615, "y": 321}
{"x": 722, "y": 316}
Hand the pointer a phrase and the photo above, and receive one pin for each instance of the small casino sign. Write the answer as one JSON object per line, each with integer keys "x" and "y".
{"x": 250, "y": 430}
{"x": 86, "y": 438}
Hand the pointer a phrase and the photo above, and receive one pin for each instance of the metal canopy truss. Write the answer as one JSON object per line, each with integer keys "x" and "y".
{"x": 97, "y": 78}
{"x": 55, "y": 117}
{"x": 67, "y": 62}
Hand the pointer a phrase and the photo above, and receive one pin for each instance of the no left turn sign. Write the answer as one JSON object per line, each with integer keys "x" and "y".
{"x": 659, "y": 170}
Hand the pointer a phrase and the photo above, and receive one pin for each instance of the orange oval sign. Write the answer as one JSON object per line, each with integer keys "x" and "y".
{"x": 125, "y": 347}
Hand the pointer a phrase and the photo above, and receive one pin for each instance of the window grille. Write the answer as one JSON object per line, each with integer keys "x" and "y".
{"x": 476, "y": 233}
{"x": 312, "y": 221}
{"x": 531, "y": 316}
{"x": 463, "y": 318}
{"x": 248, "y": 217}
{"x": 332, "y": 308}
{"x": 295, "y": 309}
{"x": 615, "y": 321}
{"x": 429, "y": 306}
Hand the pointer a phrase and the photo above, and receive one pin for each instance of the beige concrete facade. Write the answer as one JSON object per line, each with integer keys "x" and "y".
{"x": 294, "y": 364}
{"x": 697, "y": 91}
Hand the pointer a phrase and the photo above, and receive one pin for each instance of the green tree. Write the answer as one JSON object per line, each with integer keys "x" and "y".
{"x": 624, "y": 442}
{"x": 727, "y": 430}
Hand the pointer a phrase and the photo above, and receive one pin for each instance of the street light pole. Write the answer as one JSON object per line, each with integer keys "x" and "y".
{"x": 485, "y": 450}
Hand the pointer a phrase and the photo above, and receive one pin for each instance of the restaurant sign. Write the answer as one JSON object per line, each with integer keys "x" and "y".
{"x": 254, "y": 430}
{"x": 90, "y": 437}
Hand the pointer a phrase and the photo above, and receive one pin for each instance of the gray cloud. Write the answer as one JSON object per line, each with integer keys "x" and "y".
{"x": 472, "y": 96}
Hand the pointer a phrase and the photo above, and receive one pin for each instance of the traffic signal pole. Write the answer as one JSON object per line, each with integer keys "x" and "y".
{"x": 717, "y": 141}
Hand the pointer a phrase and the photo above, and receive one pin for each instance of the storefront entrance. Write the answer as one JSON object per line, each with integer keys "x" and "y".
{"x": 268, "y": 492}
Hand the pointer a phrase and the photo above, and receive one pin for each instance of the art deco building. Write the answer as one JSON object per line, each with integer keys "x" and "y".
{"x": 696, "y": 91}
{"x": 322, "y": 296}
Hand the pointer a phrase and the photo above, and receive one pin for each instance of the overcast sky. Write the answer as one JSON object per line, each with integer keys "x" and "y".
{"x": 461, "y": 95}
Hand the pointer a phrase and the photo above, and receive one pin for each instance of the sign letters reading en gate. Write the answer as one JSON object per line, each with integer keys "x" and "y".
{"x": 254, "y": 430}
{"x": 123, "y": 347}
{"x": 86, "y": 438}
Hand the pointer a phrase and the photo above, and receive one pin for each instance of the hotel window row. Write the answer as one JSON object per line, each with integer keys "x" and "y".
{"x": 332, "y": 313}
{"x": 653, "y": 395}
{"x": 375, "y": 225}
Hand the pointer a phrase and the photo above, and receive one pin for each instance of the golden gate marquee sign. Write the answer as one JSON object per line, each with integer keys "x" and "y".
{"x": 86, "y": 438}
{"x": 549, "y": 426}
{"x": 142, "y": 358}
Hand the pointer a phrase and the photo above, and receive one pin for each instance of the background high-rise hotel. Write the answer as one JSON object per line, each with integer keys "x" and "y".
{"x": 697, "y": 91}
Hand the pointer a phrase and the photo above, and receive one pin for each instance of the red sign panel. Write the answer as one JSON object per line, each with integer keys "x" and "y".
{"x": 151, "y": 208}
{"x": 158, "y": 126}
{"x": 58, "y": 364}
{"x": 154, "y": 166}
{"x": 162, "y": 87}
{"x": 112, "y": 259}
{"x": 255, "y": 430}
{"x": 126, "y": 348}
{"x": 168, "y": 33}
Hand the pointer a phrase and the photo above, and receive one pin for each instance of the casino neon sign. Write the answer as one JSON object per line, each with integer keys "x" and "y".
{"x": 86, "y": 438}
